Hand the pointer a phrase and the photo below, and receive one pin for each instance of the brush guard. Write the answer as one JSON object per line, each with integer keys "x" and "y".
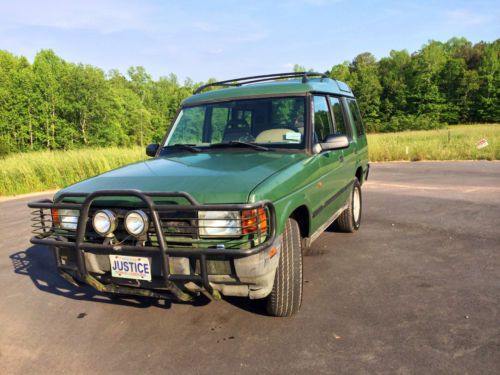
{"x": 44, "y": 235}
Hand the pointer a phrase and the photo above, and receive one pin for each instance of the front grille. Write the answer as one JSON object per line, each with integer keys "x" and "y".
{"x": 179, "y": 224}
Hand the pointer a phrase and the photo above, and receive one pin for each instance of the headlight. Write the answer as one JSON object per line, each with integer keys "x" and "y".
{"x": 104, "y": 222}
{"x": 65, "y": 219}
{"x": 136, "y": 223}
{"x": 69, "y": 219}
{"x": 219, "y": 223}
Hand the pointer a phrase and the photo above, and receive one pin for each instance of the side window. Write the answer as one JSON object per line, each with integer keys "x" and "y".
{"x": 322, "y": 122}
{"x": 338, "y": 117}
{"x": 356, "y": 116}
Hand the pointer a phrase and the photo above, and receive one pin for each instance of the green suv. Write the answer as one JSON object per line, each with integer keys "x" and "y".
{"x": 246, "y": 178}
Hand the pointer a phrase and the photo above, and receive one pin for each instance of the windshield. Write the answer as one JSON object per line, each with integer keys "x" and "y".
{"x": 271, "y": 122}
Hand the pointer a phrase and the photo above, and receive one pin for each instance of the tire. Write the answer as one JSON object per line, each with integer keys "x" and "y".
{"x": 350, "y": 220}
{"x": 286, "y": 296}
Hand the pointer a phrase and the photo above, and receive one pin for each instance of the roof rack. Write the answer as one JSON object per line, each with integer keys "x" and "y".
{"x": 263, "y": 78}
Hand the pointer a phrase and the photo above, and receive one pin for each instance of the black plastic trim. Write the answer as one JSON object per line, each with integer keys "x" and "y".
{"x": 331, "y": 199}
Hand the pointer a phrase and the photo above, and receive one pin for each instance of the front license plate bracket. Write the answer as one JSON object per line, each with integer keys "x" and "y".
{"x": 130, "y": 267}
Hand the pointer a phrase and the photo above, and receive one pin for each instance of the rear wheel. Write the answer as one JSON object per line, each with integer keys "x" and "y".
{"x": 286, "y": 296}
{"x": 350, "y": 219}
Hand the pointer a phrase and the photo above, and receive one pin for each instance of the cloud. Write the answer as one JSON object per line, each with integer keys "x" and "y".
{"x": 464, "y": 17}
{"x": 101, "y": 16}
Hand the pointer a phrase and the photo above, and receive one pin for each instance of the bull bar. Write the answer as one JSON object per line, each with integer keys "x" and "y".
{"x": 168, "y": 279}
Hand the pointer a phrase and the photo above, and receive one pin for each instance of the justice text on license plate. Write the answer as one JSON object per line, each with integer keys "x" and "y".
{"x": 130, "y": 267}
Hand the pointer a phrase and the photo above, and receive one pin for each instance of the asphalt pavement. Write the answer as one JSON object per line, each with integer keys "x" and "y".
{"x": 415, "y": 291}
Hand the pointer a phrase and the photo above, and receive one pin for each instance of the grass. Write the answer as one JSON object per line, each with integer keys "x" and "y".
{"x": 457, "y": 142}
{"x": 46, "y": 170}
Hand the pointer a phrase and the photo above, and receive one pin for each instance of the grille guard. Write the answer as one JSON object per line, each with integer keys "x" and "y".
{"x": 168, "y": 279}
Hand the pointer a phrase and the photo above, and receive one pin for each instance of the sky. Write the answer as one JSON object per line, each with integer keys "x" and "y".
{"x": 227, "y": 39}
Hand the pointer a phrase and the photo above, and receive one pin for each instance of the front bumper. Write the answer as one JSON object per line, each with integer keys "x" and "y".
{"x": 253, "y": 267}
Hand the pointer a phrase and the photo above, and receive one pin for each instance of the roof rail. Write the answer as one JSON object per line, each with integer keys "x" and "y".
{"x": 263, "y": 78}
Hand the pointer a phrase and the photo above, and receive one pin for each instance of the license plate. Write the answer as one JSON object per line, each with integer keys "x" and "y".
{"x": 130, "y": 267}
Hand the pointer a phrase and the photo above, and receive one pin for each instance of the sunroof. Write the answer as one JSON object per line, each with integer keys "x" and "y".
{"x": 343, "y": 87}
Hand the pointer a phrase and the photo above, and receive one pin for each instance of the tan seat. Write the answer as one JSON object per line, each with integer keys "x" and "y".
{"x": 273, "y": 135}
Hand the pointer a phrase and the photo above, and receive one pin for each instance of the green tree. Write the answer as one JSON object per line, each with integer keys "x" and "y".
{"x": 49, "y": 71}
{"x": 425, "y": 96}
{"x": 394, "y": 72}
{"x": 366, "y": 86}
{"x": 141, "y": 84}
{"x": 487, "y": 102}
{"x": 341, "y": 72}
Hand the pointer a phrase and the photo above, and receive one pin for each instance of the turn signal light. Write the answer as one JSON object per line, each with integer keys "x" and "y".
{"x": 56, "y": 220}
{"x": 253, "y": 220}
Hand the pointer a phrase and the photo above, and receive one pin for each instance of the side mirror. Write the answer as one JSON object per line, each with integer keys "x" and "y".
{"x": 335, "y": 142}
{"x": 152, "y": 149}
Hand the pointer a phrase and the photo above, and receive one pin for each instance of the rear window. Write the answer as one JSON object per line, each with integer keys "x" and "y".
{"x": 356, "y": 116}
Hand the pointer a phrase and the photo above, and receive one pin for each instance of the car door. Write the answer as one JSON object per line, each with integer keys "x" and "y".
{"x": 328, "y": 165}
{"x": 342, "y": 126}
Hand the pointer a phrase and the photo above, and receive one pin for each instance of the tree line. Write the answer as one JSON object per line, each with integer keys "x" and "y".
{"x": 55, "y": 104}
{"x": 452, "y": 82}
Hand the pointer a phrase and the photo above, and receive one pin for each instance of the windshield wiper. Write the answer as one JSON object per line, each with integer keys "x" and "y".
{"x": 241, "y": 143}
{"x": 185, "y": 146}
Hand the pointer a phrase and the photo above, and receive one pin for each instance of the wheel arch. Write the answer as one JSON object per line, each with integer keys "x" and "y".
{"x": 302, "y": 215}
{"x": 359, "y": 174}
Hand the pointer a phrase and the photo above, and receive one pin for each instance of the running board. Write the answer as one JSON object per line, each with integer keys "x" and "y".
{"x": 309, "y": 240}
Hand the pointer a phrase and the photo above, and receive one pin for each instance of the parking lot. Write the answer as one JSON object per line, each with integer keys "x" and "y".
{"x": 415, "y": 291}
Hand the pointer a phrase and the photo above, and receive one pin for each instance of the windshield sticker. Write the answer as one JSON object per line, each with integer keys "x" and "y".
{"x": 292, "y": 136}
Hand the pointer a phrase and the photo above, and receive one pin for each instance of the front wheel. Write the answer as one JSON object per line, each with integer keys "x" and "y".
{"x": 350, "y": 219}
{"x": 286, "y": 296}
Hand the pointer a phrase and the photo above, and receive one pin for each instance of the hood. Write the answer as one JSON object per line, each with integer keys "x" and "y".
{"x": 213, "y": 177}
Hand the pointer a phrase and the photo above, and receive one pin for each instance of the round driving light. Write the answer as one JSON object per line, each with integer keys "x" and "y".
{"x": 104, "y": 222}
{"x": 136, "y": 223}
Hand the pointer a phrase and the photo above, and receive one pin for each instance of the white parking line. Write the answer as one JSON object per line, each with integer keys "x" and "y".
{"x": 463, "y": 189}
